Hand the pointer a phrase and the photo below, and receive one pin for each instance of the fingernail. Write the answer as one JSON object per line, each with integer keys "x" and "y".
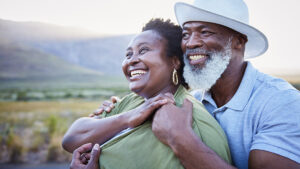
{"x": 164, "y": 100}
{"x": 96, "y": 147}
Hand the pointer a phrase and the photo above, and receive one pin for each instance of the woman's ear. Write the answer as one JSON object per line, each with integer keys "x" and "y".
{"x": 176, "y": 62}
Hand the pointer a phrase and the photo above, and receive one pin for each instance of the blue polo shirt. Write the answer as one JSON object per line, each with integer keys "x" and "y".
{"x": 264, "y": 114}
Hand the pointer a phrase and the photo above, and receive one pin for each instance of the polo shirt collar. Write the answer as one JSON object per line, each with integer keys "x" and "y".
{"x": 243, "y": 94}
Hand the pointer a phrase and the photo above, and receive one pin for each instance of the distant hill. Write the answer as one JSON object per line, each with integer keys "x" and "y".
{"x": 35, "y": 31}
{"x": 18, "y": 61}
{"x": 100, "y": 54}
{"x": 88, "y": 50}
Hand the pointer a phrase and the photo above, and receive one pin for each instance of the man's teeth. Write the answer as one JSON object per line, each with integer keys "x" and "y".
{"x": 196, "y": 57}
{"x": 137, "y": 73}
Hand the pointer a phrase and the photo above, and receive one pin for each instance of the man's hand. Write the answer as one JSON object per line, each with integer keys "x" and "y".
{"x": 171, "y": 122}
{"x": 106, "y": 106}
{"x": 84, "y": 158}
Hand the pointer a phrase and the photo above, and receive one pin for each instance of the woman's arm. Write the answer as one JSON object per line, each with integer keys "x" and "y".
{"x": 92, "y": 130}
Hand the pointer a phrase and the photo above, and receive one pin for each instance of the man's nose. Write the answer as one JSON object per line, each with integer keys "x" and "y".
{"x": 194, "y": 42}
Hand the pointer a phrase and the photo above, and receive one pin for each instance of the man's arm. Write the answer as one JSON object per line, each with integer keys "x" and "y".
{"x": 173, "y": 126}
{"x": 259, "y": 159}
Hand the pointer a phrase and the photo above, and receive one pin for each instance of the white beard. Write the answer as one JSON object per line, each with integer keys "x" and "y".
{"x": 203, "y": 79}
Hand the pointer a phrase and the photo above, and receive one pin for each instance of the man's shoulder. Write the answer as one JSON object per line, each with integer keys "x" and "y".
{"x": 275, "y": 89}
{"x": 271, "y": 97}
{"x": 273, "y": 83}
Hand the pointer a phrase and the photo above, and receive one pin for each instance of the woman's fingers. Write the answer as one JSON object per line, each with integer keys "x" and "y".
{"x": 106, "y": 106}
{"x": 77, "y": 154}
{"x": 114, "y": 99}
{"x": 155, "y": 105}
{"x": 168, "y": 96}
{"x": 100, "y": 110}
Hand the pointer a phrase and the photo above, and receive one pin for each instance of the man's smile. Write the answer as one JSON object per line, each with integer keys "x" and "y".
{"x": 197, "y": 59}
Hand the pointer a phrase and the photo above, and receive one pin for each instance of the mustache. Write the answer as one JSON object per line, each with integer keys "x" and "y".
{"x": 197, "y": 50}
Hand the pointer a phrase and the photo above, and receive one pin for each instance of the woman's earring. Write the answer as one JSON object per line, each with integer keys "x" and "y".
{"x": 175, "y": 77}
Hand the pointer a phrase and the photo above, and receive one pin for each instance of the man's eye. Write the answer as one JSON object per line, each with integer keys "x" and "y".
{"x": 185, "y": 35}
{"x": 207, "y": 32}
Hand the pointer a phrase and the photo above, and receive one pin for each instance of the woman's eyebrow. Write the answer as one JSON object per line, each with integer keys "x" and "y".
{"x": 143, "y": 43}
{"x": 140, "y": 44}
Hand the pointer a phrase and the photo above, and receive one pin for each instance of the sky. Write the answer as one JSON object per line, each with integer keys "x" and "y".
{"x": 277, "y": 19}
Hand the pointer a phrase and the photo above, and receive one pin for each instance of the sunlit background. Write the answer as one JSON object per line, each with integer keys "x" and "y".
{"x": 279, "y": 20}
{"x": 59, "y": 59}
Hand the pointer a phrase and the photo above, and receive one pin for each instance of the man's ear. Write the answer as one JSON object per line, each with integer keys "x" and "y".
{"x": 240, "y": 41}
{"x": 176, "y": 62}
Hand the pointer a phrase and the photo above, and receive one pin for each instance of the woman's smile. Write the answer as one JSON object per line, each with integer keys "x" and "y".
{"x": 137, "y": 74}
{"x": 147, "y": 66}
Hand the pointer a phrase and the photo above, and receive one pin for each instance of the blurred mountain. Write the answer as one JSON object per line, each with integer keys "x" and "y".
{"x": 18, "y": 61}
{"x": 35, "y": 31}
{"x": 37, "y": 48}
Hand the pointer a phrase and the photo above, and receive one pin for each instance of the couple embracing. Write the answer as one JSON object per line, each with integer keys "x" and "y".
{"x": 239, "y": 117}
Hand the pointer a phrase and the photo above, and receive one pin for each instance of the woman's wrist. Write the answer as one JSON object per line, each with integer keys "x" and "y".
{"x": 125, "y": 120}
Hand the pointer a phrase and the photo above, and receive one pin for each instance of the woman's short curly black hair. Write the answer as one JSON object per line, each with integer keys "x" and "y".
{"x": 172, "y": 34}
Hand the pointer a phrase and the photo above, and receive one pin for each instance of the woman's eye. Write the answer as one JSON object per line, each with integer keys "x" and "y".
{"x": 129, "y": 54}
{"x": 143, "y": 50}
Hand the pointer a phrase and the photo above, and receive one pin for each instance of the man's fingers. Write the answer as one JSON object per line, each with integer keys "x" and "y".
{"x": 171, "y": 96}
{"x": 187, "y": 105}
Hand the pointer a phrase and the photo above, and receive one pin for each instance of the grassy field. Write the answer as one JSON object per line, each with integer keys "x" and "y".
{"x": 31, "y": 132}
{"x": 34, "y": 119}
{"x": 35, "y": 114}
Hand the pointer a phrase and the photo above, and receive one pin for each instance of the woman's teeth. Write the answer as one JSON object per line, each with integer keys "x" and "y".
{"x": 196, "y": 57}
{"x": 137, "y": 73}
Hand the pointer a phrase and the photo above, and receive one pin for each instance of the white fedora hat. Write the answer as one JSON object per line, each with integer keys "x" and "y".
{"x": 230, "y": 13}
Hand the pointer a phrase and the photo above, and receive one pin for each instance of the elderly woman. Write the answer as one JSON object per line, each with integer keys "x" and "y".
{"x": 153, "y": 65}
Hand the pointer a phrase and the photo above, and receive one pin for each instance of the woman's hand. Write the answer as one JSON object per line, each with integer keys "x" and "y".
{"x": 86, "y": 157}
{"x": 107, "y": 106}
{"x": 138, "y": 115}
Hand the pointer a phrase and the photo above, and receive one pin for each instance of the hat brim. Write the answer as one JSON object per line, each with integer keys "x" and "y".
{"x": 257, "y": 42}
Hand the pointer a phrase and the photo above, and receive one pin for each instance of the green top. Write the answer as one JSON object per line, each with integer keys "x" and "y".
{"x": 140, "y": 149}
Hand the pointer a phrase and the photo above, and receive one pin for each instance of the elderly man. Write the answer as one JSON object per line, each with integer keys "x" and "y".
{"x": 260, "y": 114}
